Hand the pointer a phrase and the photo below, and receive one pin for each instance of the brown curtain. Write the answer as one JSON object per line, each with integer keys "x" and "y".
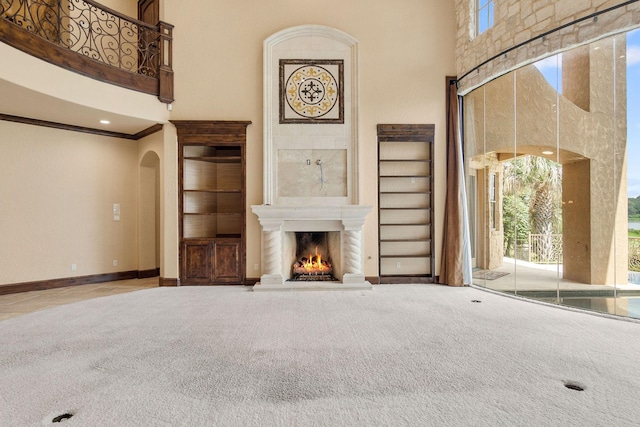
{"x": 452, "y": 266}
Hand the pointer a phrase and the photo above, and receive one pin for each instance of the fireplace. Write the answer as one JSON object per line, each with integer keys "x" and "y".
{"x": 311, "y": 179}
{"x": 313, "y": 258}
{"x": 342, "y": 226}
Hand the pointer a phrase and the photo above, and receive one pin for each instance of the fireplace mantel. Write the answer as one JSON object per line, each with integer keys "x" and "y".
{"x": 277, "y": 221}
{"x": 347, "y": 217}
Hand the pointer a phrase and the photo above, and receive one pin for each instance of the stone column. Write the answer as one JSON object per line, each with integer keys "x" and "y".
{"x": 271, "y": 252}
{"x": 352, "y": 252}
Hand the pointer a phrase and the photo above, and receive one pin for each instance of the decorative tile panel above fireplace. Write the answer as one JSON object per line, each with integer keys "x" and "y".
{"x": 311, "y": 157}
{"x": 311, "y": 91}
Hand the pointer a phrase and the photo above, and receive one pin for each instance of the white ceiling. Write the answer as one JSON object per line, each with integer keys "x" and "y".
{"x": 18, "y": 101}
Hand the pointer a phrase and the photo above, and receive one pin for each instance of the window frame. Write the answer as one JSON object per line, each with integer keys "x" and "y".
{"x": 484, "y": 14}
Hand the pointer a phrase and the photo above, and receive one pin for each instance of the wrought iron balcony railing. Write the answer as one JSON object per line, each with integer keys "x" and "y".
{"x": 93, "y": 40}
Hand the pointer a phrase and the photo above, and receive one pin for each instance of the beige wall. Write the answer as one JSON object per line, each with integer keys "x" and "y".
{"x": 406, "y": 48}
{"x": 56, "y": 201}
{"x": 58, "y": 187}
{"x": 126, "y": 7}
{"x": 162, "y": 144}
{"x": 150, "y": 155}
{"x": 34, "y": 243}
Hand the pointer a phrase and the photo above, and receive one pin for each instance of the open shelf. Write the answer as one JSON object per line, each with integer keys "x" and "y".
{"x": 216, "y": 159}
{"x": 212, "y": 201}
{"x": 405, "y": 202}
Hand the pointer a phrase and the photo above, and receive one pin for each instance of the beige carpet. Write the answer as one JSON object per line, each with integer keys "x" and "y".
{"x": 419, "y": 355}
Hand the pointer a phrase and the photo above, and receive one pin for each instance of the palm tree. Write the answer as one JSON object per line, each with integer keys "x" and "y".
{"x": 539, "y": 180}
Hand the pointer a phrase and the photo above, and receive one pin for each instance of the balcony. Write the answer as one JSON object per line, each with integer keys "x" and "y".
{"x": 93, "y": 40}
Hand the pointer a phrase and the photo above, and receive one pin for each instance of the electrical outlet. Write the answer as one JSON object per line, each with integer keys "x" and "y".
{"x": 398, "y": 265}
{"x": 115, "y": 262}
{"x": 256, "y": 267}
{"x": 74, "y": 267}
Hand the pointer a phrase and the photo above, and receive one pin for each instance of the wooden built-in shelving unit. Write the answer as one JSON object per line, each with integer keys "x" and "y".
{"x": 405, "y": 203}
{"x": 211, "y": 157}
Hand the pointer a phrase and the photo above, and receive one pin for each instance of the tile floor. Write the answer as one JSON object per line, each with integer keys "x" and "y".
{"x": 525, "y": 276}
{"x": 14, "y": 305}
{"x": 541, "y": 282}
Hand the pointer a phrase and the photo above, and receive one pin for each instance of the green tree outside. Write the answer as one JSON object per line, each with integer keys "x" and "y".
{"x": 532, "y": 201}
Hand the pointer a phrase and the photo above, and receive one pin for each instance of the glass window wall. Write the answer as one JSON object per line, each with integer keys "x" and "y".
{"x": 552, "y": 157}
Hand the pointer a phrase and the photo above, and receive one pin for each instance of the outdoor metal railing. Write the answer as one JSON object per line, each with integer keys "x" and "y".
{"x": 538, "y": 250}
{"x": 634, "y": 253}
{"x": 545, "y": 248}
{"x": 97, "y": 32}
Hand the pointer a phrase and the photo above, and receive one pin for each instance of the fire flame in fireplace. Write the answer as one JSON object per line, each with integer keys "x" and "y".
{"x": 313, "y": 266}
{"x": 313, "y": 263}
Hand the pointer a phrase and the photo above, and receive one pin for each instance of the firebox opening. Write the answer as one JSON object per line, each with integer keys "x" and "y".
{"x": 313, "y": 260}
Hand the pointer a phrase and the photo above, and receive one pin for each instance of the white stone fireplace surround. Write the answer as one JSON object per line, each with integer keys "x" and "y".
{"x": 278, "y": 246}
{"x": 310, "y": 169}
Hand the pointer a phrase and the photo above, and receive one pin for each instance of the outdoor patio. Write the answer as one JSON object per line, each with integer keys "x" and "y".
{"x": 545, "y": 283}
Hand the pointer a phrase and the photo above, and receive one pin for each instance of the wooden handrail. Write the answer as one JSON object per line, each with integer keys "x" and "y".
{"x": 93, "y": 40}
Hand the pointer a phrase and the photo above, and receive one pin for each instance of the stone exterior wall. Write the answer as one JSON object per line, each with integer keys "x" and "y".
{"x": 489, "y": 253}
{"x": 517, "y": 21}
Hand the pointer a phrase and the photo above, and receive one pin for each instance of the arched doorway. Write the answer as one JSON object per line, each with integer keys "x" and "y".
{"x": 509, "y": 198}
{"x": 149, "y": 216}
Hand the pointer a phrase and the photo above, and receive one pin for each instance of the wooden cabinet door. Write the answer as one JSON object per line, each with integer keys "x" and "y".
{"x": 196, "y": 262}
{"x": 227, "y": 262}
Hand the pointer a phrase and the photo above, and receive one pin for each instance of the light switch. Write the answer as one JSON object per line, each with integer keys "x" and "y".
{"x": 116, "y": 212}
